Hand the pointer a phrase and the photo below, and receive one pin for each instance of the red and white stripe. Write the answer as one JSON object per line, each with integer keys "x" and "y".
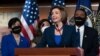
{"x": 27, "y": 30}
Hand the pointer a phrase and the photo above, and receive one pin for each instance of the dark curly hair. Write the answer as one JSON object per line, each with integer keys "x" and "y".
{"x": 12, "y": 21}
{"x": 41, "y": 22}
{"x": 81, "y": 9}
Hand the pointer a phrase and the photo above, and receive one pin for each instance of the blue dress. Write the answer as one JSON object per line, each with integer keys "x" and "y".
{"x": 8, "y": 44}
{"x": 58, "y": 39}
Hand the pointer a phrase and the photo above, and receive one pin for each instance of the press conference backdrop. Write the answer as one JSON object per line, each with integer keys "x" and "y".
{"x": 8, "y": 12}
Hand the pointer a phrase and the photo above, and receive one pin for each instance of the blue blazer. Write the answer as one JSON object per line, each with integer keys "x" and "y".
{"x": 8, "y": 44}
{"x": 68, "y": 37}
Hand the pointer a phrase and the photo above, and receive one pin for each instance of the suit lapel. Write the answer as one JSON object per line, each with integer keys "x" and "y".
{"x": 53, "y": 35}
{"x": 65, "y": 35}
{"x": 13, "y": 40}
{"x": 15, "y": 43}
{"x": 62, "y": 36}
{"x": 21, "y": 41}
{"x": 84, "y": 37}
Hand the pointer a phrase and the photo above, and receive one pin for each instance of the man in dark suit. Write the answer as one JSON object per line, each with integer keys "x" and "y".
{"x": 88, "y": 37}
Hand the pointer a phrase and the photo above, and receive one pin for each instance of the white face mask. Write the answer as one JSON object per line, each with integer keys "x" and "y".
{"x": 43, "y": 28}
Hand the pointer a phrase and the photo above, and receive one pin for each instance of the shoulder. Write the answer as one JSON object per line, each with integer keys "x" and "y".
{"x": 49, "y": 28}
{"x": 25, "y": 41}
{"x": 69, "y": 27}
{"x": 24, "y": 38}
{"x": 7, "y": 36}
{"x": 90, "y": 29}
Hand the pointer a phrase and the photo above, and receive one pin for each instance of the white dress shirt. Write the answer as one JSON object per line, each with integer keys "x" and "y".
{"x": 81, "y": 29}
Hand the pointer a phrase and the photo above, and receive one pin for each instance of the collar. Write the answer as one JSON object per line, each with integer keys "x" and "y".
{"x": 81, "y": 28}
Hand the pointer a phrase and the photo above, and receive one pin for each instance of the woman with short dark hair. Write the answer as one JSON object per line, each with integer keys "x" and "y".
{"x": 14, "y": 39}
{"x": 43, "y": 24}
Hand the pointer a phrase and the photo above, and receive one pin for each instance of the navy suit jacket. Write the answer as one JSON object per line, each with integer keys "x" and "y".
{"x": 67, "y": 40}
{"x": 8, "y": 44}
{"x": 90, "y": 42}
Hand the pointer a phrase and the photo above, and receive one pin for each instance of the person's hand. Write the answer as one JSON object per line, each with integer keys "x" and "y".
{"x": 33, "y": 44}
{"x": 81, "y": 51}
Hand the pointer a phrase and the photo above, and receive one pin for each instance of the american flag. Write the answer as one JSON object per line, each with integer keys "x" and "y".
{"x": 58, "y": 2}
{"x": 29, "y": 19}
{"x": 85, "y": 4}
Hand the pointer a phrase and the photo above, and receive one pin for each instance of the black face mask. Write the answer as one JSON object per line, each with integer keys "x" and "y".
{"x": 79, "y": 21}
{"x": 16, "y": 29}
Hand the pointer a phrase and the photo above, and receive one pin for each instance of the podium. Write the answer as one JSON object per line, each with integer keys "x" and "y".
{"x": 47, "y": 52}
